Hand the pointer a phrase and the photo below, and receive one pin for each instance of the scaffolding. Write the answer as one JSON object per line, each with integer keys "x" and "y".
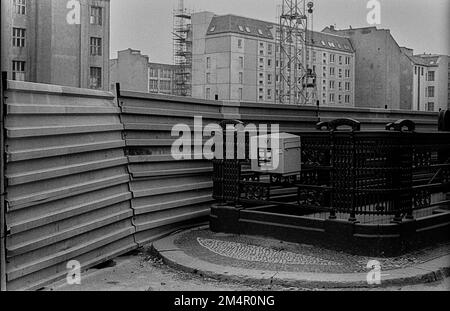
{"x": 296, "y": 81}
{"x": 182, "y": 50}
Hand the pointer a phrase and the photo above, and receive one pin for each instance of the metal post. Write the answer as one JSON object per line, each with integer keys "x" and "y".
{"x": 444, "y": 126}
{"x": 2, "y": 183}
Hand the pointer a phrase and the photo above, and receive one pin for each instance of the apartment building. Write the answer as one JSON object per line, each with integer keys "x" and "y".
{"x": 436, "y": 86}
{"x": 424, "y": 82}
{"x": 235, "y": 58}
{"x": 136, "y": 73}
{"x": 40, "y": 45}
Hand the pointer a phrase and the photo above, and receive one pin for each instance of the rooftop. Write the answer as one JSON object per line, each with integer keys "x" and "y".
{"x": 264, "y": 30}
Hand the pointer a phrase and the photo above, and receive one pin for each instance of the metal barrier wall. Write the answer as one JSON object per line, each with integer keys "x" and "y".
{"x": 67, "y": 182}
{"x": 167, "y": 194}
{"x": 89, "y": 178}
{"x": 294, "y": 118}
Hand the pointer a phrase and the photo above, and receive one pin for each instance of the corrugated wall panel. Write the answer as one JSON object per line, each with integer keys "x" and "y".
{"x": 68, "y": 184}
{"x": 167, "y": 194}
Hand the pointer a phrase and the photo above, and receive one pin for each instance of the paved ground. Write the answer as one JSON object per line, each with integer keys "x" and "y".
{"x": 142, "y": 271}
{"x": 274, "y": 255}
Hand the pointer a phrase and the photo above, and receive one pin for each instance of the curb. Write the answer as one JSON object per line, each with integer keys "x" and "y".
{"x": 429, "y": 272}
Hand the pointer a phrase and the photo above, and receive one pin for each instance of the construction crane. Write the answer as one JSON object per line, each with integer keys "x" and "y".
{"x": 296, "y": 81}
{"x": 182, "y": 50}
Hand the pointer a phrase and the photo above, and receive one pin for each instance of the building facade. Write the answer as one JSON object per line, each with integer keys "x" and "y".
{"x": 39, "y": 44}
{"x": 436, "y": 86}
{"x": 424, "y": 82}
{"x": 377, "y": 66}
{"x": 136, "y": 73}
{"x": 235, "y": 58}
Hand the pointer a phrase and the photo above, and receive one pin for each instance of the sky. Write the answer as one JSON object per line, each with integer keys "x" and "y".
{"x": 146, "y": 25}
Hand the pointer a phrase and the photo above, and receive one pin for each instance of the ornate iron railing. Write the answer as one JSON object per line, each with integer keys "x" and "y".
{"x": 393, "y": 172}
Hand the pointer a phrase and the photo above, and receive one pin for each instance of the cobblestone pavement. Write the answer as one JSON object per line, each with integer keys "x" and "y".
{"x": 272, "y": 255}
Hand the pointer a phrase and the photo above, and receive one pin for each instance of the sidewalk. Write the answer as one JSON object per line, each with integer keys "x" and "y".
{"x": 217, "y": 262}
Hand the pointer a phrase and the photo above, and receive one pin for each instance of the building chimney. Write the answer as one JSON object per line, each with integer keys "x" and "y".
{"x": 332, "y": 27}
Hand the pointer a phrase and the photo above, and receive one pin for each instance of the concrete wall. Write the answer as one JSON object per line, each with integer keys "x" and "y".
{"x": 377, "y": 68}
{"x": 200, "y": 23}
{"x": 442, "y": 83}
{"x": 406, "y": 81}
{"x": 130, "y": 69}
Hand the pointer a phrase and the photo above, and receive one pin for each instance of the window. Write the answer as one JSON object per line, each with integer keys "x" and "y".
{"x": 260, "y": 32}
{"x": 415, "y": 70}
{"x": 332, "y": 58}
{"x": 18, "y": 70}
{"x": 269, "y": 94}
{"x": 96, "y": 15}
{"x": 332, "y": 98}
{"x": 347, "y": 60}
{"x": 332, "y": 84}
{"x": 18, "y": 37}
{"x": 166, "y": 74}
{"x": 340, "y": 86}
{"x": 340, "y": 73}
{"x": 261, "y": 45}
{"x": 96, "y": 46}
{"x": 20, "y": 7}
{"x": 340, "y": 60}
{"x": 314, "y": 56}
{"x": 269, "y": 62}
{"x": 269, "y": 49}
{"x": 431, "y": 76}
{"x": 241, "y": 62}
{"x": 430, "y": 107}
{"x": 241, "y": 28}
{"x": 208, "y": 62}
{"x": 240, "y": 93}
{"x": 153, "y": 85}
{"x": 347, "y": 86}
{"x": 95, "y": 78}
{"x": 422, "y": 71}
{"x": 247, "y": 29}
{"x": 347, "y": 99}
{"x": 240, "y": 43}
{"x": 332, "y": 71}
{"x": 208, "y": 93}
{"x": 431, "y": 91}
{"x": 241, "y": 78}
{"x": 347, "y": 73}
{"x": 269, "y": 78}
{"x": 164, "y": 85}
{"x": 208, "y": 78}
{"x": 153, "y": 73}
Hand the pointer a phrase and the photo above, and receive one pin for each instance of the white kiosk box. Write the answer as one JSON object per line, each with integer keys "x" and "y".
{"x": 277, "y": 154}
